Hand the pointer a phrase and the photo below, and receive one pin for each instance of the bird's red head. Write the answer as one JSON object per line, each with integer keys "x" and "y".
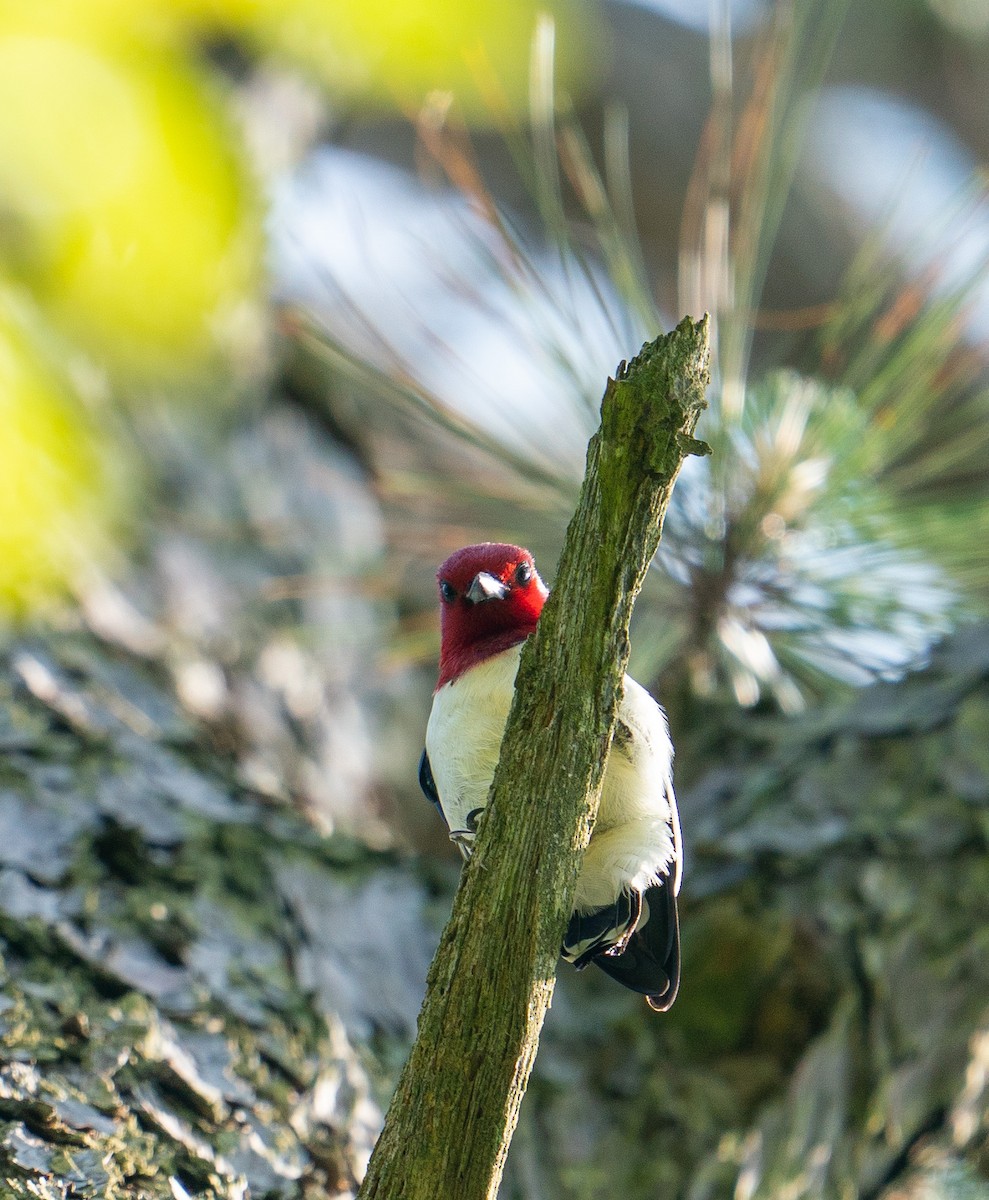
{"x": 490, "y": 599}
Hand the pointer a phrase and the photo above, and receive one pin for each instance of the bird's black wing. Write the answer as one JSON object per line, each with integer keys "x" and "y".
{"x": 591, "y": 933}
{"x": 650, "y": 962}
{"x": 464, "y": 838}
{"x": 428, "y": 783}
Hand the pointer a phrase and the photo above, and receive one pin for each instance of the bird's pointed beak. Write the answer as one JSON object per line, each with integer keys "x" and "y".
{"x": 485, "y": 587}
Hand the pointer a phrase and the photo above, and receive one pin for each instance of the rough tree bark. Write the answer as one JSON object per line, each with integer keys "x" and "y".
{"x": 447, "y": 1133}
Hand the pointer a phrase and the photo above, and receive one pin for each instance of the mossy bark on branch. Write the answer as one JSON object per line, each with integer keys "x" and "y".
{"x": 448, "y": 1130}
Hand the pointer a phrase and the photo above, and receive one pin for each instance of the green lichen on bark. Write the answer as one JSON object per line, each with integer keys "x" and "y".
{"x": 450, "y": 1124}
{"x": 162, "y": 1030}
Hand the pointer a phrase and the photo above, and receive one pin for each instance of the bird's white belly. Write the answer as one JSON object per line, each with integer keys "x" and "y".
{"x": 633, "y": 841}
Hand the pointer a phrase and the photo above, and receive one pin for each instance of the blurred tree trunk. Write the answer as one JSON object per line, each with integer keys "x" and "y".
{"x": 180, "y": 996}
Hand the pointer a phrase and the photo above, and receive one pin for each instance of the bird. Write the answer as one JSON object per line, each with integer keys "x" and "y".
{"x": 625, "y": 905}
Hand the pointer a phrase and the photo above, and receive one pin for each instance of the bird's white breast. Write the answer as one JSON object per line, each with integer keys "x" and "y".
{"x": 636, "y": 837}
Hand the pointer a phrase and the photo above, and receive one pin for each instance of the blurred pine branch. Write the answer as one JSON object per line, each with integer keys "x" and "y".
{"x": 830, "y": 542}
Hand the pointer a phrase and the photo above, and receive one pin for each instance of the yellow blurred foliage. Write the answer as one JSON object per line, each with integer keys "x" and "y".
{"x": 384, "y": 52}
{"x": 125, "y": 203}
{"x": 57, "y": 490}
{"x": 127, "y": 209}
{"x": 128, "y": 214}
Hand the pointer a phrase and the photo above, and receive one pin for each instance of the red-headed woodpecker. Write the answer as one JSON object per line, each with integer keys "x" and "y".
{"x": 625, "y": 913}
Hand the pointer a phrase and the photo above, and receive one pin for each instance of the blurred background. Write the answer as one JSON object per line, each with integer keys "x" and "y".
{"x": 297, "y": 298}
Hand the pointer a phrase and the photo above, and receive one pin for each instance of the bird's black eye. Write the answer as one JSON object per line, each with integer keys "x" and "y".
{"x": 448, "y": 591}
{"x": 523, "y": 573}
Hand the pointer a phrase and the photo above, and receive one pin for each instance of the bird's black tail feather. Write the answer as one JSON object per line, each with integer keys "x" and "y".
{"x": 650, "y": 961}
